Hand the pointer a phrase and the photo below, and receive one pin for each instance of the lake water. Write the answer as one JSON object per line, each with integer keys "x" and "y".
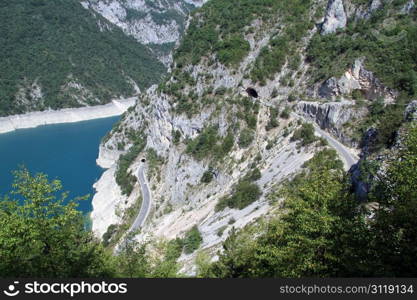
{"x": 62, "y": 151}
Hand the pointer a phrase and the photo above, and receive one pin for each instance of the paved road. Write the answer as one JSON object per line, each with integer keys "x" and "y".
{"x": 146, "y": 200}
{"x": 348, "y": 158}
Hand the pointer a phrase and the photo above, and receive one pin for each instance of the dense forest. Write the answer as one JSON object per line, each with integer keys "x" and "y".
{"x": 50, "y": 44}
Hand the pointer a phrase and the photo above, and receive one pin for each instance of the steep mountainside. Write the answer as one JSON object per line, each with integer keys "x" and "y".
{"x": 56, "y": 54}
{"x": 157, "y": 24}
{"x": 257, "y": 89}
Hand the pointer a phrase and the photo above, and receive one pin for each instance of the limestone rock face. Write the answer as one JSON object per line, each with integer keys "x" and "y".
{"x": 105, "y": 203}
{"x": 156, "y": 22}
{"x": 410, "y": 113}
{"x": 335, "y": 17}
{"x": 408, "y": 7}
{"x": 180, "y": 200}
{"x": 367, "y": 11}
{"x": 356, "y": 78}
{"x": 331, "y": 116}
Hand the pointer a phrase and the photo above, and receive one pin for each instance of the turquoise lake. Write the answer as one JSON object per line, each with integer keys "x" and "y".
{"x": 62, "y": 151}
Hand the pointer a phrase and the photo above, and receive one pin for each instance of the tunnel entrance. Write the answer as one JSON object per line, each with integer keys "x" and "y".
{"x": 252, "y": 92}
{"x": 143, "y": 160}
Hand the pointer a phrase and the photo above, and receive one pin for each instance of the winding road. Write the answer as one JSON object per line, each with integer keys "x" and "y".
{"x": 146, "y": 199}
{"x": 348, "y": 158}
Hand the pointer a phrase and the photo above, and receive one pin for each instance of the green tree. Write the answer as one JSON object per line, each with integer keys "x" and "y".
{"x": 246, "y": 138}
{"x": 395, "y": 226}
{"x": 132, "y": 261}
{"x": 305, "y": 134}
{"x": 300, "y": 242}
{"x": 192, "y": 240}
{"x": 43, "y": 235}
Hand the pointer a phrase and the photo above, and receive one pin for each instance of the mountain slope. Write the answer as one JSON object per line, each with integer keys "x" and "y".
{"x": 54, "y": 55}
{"x": 223, "y": 132}
{"x": 157, "y": 24}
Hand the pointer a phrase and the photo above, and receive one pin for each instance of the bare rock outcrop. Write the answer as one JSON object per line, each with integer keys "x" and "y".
{"x": 331, "y": 116}
{"x": 356, "y": 78}
{"x": 410, "y": 113}
{"x": 335, "y": 17}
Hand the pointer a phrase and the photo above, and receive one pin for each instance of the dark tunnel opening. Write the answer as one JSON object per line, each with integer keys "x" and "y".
{"x": 252, "y": 92}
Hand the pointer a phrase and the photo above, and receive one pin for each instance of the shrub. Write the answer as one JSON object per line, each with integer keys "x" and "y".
{"x": 332, "y": 54}
{"x": 111, "y": 230}
{"x": 221, "y": 91}
{"x": 305, "y": 134}
{"x": 253, "y": 175}
{"x": 203, "y": 145}
{"x": 192, "y": 240}
{"x": 176, "y": 137}
{"x": 125, "y": 179}
{"x": 244, "y": 194}
{"x": 273, "y": 122}
{"x": 285, "y": 114}
{"x": 207, "y": 176}
{"x": 246, "y": 137}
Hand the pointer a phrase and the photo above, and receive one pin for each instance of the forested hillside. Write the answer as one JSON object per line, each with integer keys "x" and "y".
{"x": 57, "y": 54}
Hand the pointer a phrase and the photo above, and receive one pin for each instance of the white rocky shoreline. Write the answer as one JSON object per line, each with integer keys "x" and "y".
{"x": 67, "y": 115}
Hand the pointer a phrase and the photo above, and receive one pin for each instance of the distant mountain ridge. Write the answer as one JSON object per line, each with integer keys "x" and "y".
{"x": 60, "y": 54}
{"x": 158, "y": 23}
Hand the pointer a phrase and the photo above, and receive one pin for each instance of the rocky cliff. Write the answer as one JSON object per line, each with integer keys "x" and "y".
{"x": 157, "y": 24}
{"x": 216, "y": 125}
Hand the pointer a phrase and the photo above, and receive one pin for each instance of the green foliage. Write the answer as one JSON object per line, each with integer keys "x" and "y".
{"x": 395, "y": 227}
{"x": 132, "y": 260}
{"x": 56, "y": 42}
{"x": 204, "y": 144}
{"x": 285, "y": 114}
{"x": 114, "y": 232}
{"x": 324, "y": 233}
{"x": 43, "y": 235}
{"x": 245, "y": 192}
{"x": 232, "y": 50}
{"x": 253, "y": 175}
{"x": 125, "y": 179}
{"x": 219, "y": 27}
{"x": 176, "y": 135}
{"x": 273, "y": 119}
{"x": 153, "y": 160}
{"x": 297, "y": 243}
{"x": 305, "y": 134}
{"x": 202, "y": 262}
{"x": 333, "y": 54}
{"x": 210, "y": 144}
{"x": 246, "y": 138}
{"x": 386, "y": 119}
{"x": 249, "y": 111}
{"x": 284, "y": 46}
{"x": 192, "y": 240}
{"x": 111, "y": 230}
{"x": 135, "y": 261}
{"x": 207, "y": 176}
